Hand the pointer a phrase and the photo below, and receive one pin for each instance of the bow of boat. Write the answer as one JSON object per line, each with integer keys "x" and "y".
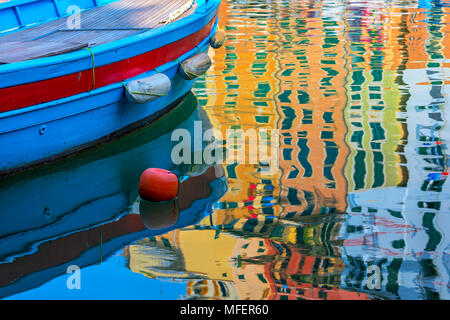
{"x": 73, "y": 78}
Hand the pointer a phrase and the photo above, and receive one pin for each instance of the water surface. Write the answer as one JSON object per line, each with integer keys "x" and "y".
{"x": 358, "y": 207}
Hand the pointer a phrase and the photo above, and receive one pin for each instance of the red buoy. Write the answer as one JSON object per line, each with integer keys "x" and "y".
{"x": 158, "y": 185}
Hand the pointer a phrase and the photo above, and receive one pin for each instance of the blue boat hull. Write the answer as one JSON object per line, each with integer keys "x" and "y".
{"x": 32, "y": 135}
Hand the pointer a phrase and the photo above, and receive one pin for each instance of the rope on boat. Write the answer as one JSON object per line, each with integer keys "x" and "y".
{"x": 174, "y": 15}
{"x": 93, "y": 67}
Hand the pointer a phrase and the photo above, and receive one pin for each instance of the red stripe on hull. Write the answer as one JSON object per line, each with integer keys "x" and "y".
{"x": 34, "y": 93}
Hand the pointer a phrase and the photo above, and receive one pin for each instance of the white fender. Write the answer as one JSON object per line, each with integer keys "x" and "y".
{"x": 195, "y": 66}
{"x": 148, "y": 89}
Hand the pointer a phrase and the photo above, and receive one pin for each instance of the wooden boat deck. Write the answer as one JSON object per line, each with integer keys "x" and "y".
{"x": 99, "y": 25}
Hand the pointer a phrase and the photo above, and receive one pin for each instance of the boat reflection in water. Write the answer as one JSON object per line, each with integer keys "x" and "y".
{"x": 81, "y": 210}
{"x": 359, "y": 208}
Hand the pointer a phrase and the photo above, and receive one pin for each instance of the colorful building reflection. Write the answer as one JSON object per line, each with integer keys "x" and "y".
{"x": 358, "y": 208}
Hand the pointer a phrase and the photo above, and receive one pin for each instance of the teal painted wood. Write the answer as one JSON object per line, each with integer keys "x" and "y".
{"x": 18, "y": 14}
{"x": 120, "y": 15}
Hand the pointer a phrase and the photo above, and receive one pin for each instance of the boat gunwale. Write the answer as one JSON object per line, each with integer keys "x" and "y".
{"x": 166, "y": 67}
{"x": 97, "y": 91}
{"x": 187, "y": 25}
{"x": 15, "y": 3}
{"x": 16, "y": 6}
